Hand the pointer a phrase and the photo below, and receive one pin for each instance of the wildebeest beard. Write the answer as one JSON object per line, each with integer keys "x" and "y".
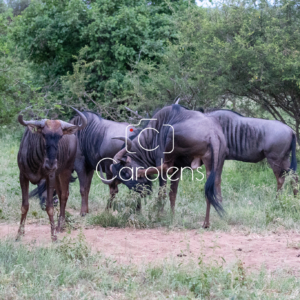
{"x": 140, "y": 187}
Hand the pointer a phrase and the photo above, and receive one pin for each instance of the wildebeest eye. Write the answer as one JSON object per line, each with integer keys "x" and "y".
{"x": 125, "y": 175}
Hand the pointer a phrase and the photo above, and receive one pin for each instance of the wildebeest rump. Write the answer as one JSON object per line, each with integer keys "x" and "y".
{"x": 196, "y": 138}
{"x": 253, "y": 139}
{"x": 47, "y": 151}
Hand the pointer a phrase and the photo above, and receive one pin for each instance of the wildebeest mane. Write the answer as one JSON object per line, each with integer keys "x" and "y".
{"x": 211, "y": 110}
{"x": 90, "y": 136}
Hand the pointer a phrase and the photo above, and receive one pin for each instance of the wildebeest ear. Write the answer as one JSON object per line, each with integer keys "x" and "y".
{"x": 34, "y": 128}
{"x": 68, "y": 128}
{"x": 33, "y": 125}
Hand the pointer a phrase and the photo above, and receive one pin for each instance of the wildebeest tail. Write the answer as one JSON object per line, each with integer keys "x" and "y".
{"x": 41, "y": 188}
{"x": 294, "y": 158}
{"x": 210, "y": 190}
{"x": 73, "y": 179}
{"x": 34, "y": 193}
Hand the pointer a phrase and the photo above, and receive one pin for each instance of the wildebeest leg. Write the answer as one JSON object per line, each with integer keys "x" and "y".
{"x": 64, "y": 179}
{"x": 278, "y": 168}
{"x": 218, "y": 181}
{"x": 113, "y": 190}
{"x": 49, "y": 204}
{"x": 207, "y": 163}
{"x": 162, "y": 186}
{"x": 57, "y": 187}
{"x": 295, "y": 184}
{"x": 85, "y": 179}
{"x": 24, "y": 182}
{"x": 173, "y": 190}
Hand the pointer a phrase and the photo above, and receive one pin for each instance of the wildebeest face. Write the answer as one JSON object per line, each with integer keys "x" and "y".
{"x": 127, "y": 172}
{"x": 52, "y": 131}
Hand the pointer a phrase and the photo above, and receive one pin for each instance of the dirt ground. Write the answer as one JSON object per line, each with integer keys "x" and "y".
{"x": 274, "y": 251}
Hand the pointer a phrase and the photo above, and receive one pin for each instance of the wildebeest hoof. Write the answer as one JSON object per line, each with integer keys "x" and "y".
{"x": 205, "y": 226}
{"x": 18, "y": 237}
{"x": 59, "y": 229}
{"x": 54, "y": 238}
{"x": 82, "y": 214}
{"x": 20, "y": 234}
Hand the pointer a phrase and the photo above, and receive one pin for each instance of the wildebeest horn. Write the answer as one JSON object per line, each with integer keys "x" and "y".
{"x": 119, "y": 155}
{"x": 105, "y": 181}
{"x": 83, "y": 118}
{"x": 36, "y": 123}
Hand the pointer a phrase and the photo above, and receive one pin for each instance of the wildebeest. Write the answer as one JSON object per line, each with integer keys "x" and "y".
{"x": 196, "y": 138}
{"x": 95, "y": 142}
{"x": 252, "y": 140}
{"x": 47, "y": 151}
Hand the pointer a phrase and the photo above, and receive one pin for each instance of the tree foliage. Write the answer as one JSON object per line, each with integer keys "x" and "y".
{"x": 244, "y": 51}
{"x": 17, "y": 6}
{"x": 117, "y": 34}
{"x": 105, "y": 55}
{"x": 16, "y": 91}
{"x": 49, "y": 33}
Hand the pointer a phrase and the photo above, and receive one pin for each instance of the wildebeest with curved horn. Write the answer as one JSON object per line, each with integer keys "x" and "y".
{"x": 47, "y": 151}
{"x": 196, "y": 138}
{"x": 95, "y": 142}
{"x": 253, "y": 139}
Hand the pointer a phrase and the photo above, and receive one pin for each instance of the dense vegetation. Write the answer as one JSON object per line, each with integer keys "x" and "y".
{"x": 108, "y": 55}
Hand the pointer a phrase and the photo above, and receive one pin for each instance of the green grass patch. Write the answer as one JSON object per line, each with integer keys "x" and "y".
{"x": 68, "y": 270}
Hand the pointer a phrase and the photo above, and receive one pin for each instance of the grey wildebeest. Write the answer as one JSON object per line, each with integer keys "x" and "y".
{"x": 47, "y": 151}
{"x": 197, "y": 138}
{"x": 252, "y": 140}
{"x": 96, "y": 143}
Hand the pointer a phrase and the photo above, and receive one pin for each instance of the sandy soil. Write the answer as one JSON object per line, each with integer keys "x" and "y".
{"x": 274, "y": 251}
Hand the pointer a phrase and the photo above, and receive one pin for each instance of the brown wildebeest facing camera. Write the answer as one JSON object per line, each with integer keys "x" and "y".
{"x": 94, "y": 143}
{"x": 47, "y": 151}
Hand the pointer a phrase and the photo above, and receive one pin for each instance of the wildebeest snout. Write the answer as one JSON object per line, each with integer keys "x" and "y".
{"x": 50, "y": 165}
